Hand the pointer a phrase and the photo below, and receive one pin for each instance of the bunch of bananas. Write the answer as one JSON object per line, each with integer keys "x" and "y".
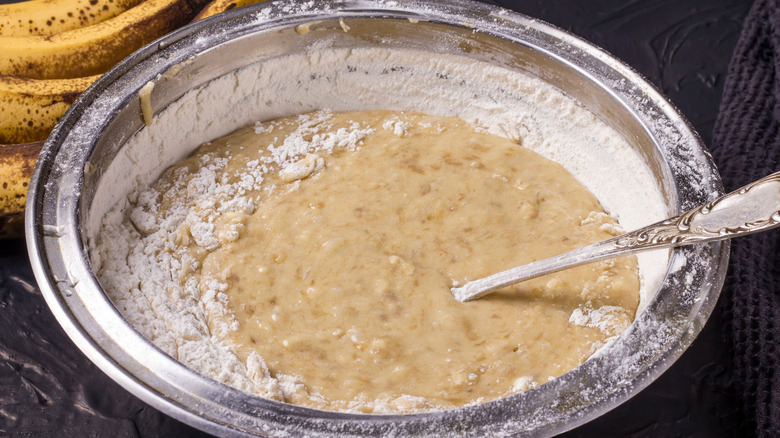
{"x": 50, "y": 52}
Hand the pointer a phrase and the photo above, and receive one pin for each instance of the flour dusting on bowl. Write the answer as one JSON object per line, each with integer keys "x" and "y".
{"x": 510, "y": 70}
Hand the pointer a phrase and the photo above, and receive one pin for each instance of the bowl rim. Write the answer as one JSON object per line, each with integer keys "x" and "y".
{"x": 53, "y": 234}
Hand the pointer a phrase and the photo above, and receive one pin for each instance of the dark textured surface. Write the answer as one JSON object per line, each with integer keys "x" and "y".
{"x": 746, "y": 146}
{"x": 48, "y": 388}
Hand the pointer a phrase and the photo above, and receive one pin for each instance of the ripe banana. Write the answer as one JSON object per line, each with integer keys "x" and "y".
{"x": 16, "y": 166}
{"x": 218, "y": 6}
{"x": 94, "y": 49}
{"x": 29, "y": 108}
{"x": 48, "y": 17}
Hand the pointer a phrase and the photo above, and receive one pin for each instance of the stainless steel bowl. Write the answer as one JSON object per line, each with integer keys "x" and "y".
{"x": 93, "y": 132}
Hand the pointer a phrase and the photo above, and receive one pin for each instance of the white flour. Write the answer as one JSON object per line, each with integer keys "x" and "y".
{"x": 144, "y": 269}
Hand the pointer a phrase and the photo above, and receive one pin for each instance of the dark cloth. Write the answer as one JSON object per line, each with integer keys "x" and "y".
{"x": 746, "y": 147}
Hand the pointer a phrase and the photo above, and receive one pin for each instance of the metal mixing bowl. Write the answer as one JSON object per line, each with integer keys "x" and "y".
{"x": 73, "y": 162}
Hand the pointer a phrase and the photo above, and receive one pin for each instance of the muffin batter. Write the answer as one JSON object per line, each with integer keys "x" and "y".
{"x": 329, "y": 270}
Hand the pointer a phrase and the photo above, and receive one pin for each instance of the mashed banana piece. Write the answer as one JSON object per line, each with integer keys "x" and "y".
{"x": 322, "y": 249}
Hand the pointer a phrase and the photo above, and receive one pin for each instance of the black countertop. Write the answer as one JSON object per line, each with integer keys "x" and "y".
{"x": 49, "y": 388}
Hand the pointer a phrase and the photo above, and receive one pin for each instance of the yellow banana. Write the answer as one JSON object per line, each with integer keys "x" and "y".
{"x": 48, "y": 17}
{"x": 29, "y": 108}
{"x": 94, "y": 49}
{"x": 217, "y": 6}
{"x": 16, "y": 165}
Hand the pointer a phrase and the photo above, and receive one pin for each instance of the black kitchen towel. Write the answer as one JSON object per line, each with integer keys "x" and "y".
{"x": 746, "y": 146}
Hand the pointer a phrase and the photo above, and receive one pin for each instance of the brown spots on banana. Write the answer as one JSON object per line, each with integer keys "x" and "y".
{"x": 16, "y": 166}
{"x": 29, "y": 108}
{"x": 48, "y": 17}
{"x": 94, "y": 49}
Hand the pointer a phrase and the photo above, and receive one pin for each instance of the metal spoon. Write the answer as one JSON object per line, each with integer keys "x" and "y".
{"x": 751, "y": 209}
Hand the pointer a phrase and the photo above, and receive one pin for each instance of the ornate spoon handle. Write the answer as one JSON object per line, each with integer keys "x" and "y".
{"x": 751, "y": 209}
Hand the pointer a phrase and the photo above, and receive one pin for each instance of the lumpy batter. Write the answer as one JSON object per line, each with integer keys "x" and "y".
{"x": 338, "y": 275}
